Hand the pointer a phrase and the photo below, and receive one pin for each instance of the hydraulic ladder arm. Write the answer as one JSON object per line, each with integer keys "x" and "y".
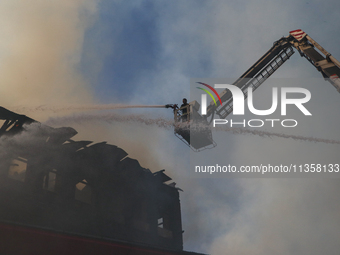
{"x": 272, "y": 60}
{"x": 257, "y": 74}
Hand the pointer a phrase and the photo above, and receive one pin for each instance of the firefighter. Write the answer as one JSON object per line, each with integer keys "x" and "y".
{"x": 184, "y": 109}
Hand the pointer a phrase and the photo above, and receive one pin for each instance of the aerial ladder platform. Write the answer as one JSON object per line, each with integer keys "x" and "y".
{"x": 256, "y": 75}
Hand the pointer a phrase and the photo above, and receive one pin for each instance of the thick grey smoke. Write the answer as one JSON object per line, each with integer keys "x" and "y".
{"x": 41, "y": 51}
{"x": 41, "y": 46}
{"x": 282, "y": 216}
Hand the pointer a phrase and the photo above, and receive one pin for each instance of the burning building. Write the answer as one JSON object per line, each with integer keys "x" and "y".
{"x": 78, "y": 196}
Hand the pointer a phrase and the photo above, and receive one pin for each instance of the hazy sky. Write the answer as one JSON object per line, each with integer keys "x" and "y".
{"x": 145, "y": 52}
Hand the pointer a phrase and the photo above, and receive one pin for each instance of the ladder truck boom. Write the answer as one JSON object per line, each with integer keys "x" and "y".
{"x": 257, "y": 74}
{"x": 272, "y": 60}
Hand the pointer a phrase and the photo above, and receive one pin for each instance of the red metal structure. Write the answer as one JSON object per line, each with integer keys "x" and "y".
{"x": 20, "y": 240}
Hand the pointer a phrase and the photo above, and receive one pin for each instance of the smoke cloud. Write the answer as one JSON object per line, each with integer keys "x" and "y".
{"x": 40, "y": 49}
{"x": 281, "y": 216}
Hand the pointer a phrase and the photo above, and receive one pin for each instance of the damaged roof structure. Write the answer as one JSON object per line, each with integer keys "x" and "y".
{"x": 49, "y": 180}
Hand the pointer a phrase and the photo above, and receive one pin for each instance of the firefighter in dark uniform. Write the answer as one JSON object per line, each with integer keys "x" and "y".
{"x": 184, "y": 109}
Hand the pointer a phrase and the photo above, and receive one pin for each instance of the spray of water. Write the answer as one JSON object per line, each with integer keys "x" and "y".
{"x": 83, "y": 118}
{"x": 81, "y": 107}
{"x": 169, "y": 124}
{"x": 273, "y": 134}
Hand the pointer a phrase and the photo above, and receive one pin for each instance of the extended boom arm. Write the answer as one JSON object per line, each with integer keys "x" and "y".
{"x": 272, "y": 60}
